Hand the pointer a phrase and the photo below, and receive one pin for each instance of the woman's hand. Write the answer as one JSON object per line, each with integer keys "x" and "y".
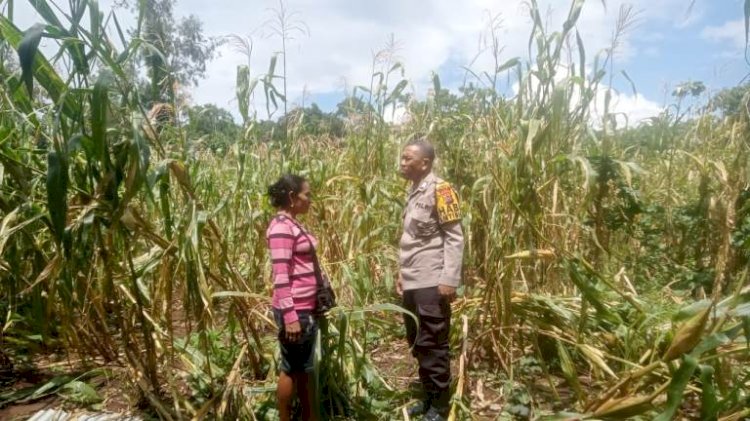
{"x": 400, "y": 285}
{"x": 293, "y": 331}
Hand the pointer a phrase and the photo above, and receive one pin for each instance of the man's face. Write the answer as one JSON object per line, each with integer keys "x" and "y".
{"x": 413, "y": 166}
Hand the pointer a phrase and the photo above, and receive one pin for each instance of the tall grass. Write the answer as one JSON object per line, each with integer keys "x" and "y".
{"x": 612, "y": 256}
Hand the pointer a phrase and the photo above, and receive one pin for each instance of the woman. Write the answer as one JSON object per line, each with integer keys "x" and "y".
{"x": 294, "y": 284}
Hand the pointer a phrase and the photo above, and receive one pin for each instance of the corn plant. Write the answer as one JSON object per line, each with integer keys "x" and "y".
{"x": 611, "y": 257}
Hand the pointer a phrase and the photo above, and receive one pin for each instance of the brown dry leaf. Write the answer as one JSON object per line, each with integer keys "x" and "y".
{"x": 621, "y": 408}
{"x": 532, "y": 254}
{"x": 688, "y": 335}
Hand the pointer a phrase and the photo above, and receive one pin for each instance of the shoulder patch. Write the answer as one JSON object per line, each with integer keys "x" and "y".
{"x": 446, "y": 202}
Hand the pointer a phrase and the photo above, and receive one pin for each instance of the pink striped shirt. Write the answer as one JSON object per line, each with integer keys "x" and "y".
{"x": 294, "y": 281}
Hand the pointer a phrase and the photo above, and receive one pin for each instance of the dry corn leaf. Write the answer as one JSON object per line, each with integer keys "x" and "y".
{"x": 596, "y": 357}
{"x": 621, "y": 408}
{"x": 688, "y": 335}
{"x": 533, "y": 254}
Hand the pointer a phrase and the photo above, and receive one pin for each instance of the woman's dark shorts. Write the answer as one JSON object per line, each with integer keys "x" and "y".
{"x": 299, "y": 356}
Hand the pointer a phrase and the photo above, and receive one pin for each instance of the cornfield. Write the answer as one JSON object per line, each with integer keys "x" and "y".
{"x": 606, "y": 267}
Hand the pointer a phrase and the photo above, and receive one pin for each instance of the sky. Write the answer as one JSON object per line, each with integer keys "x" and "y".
{"x": 667, "y": 42}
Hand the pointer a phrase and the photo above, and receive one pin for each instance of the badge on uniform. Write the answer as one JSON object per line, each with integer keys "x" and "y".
{"x": 446, "y": 200}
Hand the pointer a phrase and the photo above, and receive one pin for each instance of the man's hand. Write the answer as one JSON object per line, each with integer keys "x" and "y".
{"x": 400, "y": 285}
{"x": 293, "y": 331}
{"x": 447, "y": 292}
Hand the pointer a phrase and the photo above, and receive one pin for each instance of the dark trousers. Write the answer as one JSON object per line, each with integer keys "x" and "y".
{"x": 429, "y": 341}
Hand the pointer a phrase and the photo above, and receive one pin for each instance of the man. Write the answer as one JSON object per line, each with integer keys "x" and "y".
{"x": 431, "y": 251}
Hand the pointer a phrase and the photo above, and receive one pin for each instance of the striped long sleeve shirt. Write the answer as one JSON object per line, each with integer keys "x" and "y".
{"x": 294, "y": 282}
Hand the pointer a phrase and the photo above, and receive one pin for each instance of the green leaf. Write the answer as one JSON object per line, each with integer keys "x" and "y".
{"x": 677, "y": 386}
{"x": 21, "y": 97}
{"x": 343, "y": 326}
{"x": 272, "y": 65}
{"x": 99, "y": 108}
{"x": 582, "y": 54}
{"x": 95, "y": 19}
{"x": 590, "y": 292}
{"x": 78, "y": 10}
{"x": 41, "y": 70}
{"x": 80, "y": 141}
{"x": 632, "y": 84}
{"x": 45, "y": 11}
{"x": 48, "y": 388}
{"x": 121, "y": 33}
{"x": 57, "y": 190}
{"x": 573, "y": 15}
{"x": 742, "y": 310}
{"x": 691, "y": 310}
{"x": 80, "y": 392}
{"x": 76, "y": 49}
{"x": 396, "y": 91}
{"x": 508, "y": 64}
{"x": 27, "y": 51}
{"x": 152, "y": 50}
{"x": 436, "y": 83}
{"x": 710, "y": 343}
{"x": 243, "y": 94}
{"x": 534, "y": 126}
{"x": 140, "y": 145}
{"x": 709, "y": 402}
{"x": 360, "y": 88}
{"x": 569, "y": 369}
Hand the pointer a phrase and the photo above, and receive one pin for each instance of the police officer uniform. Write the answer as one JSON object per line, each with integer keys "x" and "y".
{"x": 431, "y": 252}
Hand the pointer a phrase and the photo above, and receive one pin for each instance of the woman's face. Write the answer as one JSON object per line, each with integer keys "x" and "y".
{"x": 302, "y": 200}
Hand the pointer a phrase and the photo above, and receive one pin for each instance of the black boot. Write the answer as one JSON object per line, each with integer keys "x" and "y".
{"x": 434, "y": 415}
{"x": 420, "y": 408}
{"x": 439, "y": 405}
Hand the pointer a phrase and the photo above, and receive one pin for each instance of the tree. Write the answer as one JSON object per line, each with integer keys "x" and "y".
{"x": 691, "y": 88}
{"x": 309, "y": 121}
{"x": 301, "y": 121}
{"x": 180, "y": 49}
{"x": 213, "y": 124}
{"x": 352, "y": 105}
{"x": 732, "y": 101}
{"x": 316, "y": 122}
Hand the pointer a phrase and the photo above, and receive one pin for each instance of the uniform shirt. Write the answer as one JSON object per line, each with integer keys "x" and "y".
{"x": 432, "y": 244}
{"x": 294, "y": 282}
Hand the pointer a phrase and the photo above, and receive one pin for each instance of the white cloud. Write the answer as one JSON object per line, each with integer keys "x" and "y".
{"x": 629, "y": 109}
{"x": 432, "y": 35}
{"x": 732, "y": 31}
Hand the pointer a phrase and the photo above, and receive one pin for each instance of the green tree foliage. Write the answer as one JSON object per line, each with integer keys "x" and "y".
{"x": 303, "y": 122}
{"x": 732, "y": 101}
{"x": 312, "y": 121}
{"x": 213, "y": 126}
{"x": 178, "y": 49}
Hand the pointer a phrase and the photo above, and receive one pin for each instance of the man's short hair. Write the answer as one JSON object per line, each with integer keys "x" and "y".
{"x": 424, "y": 145}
